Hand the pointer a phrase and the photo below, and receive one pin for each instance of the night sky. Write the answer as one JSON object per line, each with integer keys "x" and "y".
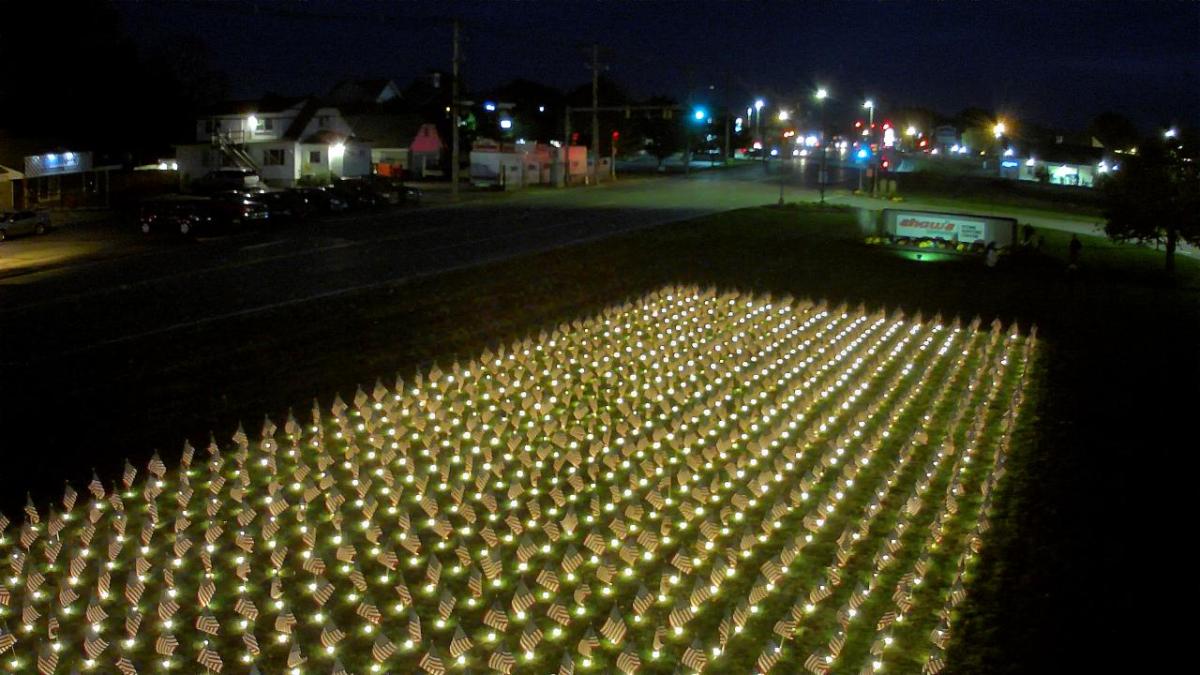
{"x": 1057, "y": 63}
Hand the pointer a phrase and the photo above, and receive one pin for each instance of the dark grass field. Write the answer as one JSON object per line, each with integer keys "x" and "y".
{"x": 1079, "y": 564}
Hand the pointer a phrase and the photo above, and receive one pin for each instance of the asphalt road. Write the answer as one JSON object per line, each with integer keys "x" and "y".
{"x": 92, "y": 315}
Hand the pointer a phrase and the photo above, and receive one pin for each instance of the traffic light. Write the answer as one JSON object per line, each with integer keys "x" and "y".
{"x": 885, "y": 164}
{"x": 616, "y": 135}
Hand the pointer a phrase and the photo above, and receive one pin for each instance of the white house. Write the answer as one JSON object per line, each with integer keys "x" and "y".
{"x": 513, "y": 165}
{"x": 283, "y": 139}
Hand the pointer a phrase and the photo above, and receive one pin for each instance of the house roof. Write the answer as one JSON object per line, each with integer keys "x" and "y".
{"x": 386, "y": 130}
{"x": 267, "y": 104}
{"x": 325, "y": 137}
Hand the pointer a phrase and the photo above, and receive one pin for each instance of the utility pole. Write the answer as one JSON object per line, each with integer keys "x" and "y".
{"x": 728, "y": 117}
{"x": 595, "y": 112}
{"x": 454, "y": 119}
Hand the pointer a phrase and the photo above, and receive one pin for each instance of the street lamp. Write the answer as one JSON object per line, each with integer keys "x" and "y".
{"x": 784, "y": 115}
{"x": 998, "y": 130}
{"x": 758, "y": 106}
{"x": 869, "y": 104}
{"x": 821, "y": 95}
{"x": 1171, "y": 133}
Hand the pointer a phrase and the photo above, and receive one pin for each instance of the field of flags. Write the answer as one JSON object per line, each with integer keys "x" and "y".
{"x": 693, "y": 481}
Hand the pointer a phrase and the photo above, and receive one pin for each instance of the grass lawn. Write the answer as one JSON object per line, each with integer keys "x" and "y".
{"x": 1081, "y": 517}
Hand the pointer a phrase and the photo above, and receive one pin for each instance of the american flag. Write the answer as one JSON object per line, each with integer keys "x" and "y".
{"x": 246, "y": 608}
{"x": 251, "y": 643}
{"x": 285, "y": 622}
{"x": 331, "y": 635}
{"x": 614, "y": 627}
{"x": 209, "y": 659}
{"x": 694, "y": 657}
{"x": 531, "y": 636}
{"x": 588, "y": 643}
{"x": 496, "y": 618}
{"x": 207, "y": 623}
{"x": 382, "y": 649}
{"x": 934, "y": 663}
{"x": 769, "y": 656}
{"x": 819, "y": 662}
{"x": 369, "y": 612}
{"x": 460, "y": 643}
{"x": 567, "y": 665}
{"x": 95, "y": 612}
{"x": 47, "y": 660}
{"x": 165, "y": 644}
{"x": 502, "y": 660}
{"x": 295, "y": 658}
{"x": 446, "y": 604}
{"x": 7, "y": 639}
{"x": 628, "y": 661}
{"x": 432, "y": 662}
{"x": 414, "y": 626}
{"x": 206, "y": 591}
{"x": 558, "y": 614}
{"x": 126, "y": 666}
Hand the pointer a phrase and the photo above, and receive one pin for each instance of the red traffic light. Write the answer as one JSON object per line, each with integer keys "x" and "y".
{"x": 884, "y": 164}
{"x": 616, "y": 135}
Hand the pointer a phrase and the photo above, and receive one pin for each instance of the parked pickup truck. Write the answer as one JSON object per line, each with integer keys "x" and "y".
{"x": 23, "y": 222}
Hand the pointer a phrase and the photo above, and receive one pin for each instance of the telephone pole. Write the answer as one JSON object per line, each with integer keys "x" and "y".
{"x": 595, "y": 111}
{"x": 454, "y": 119}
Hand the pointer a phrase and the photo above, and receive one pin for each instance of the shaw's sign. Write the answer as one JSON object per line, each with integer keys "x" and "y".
{"x": 952, "y": 226}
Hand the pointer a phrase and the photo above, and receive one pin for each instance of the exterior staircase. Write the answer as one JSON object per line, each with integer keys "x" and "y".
{"x": 232, "y": 146}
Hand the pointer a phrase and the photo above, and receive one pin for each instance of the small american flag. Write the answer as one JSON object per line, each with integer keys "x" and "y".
{"x": 502, "y": 660}
{"x": 126, "y": 666}
{"x": 694, "y": 657}
{"x": 207, "y": 623}
{"x": 166, "y": 644}
{"x": 768, "y": 657}
{"x": 460, "y": 643}
{"x": 382, "y": 649}
{"x": 209, "y": 659}
{"x": 628, "y": 661}
{"x": 47, "y": 660}
{"x": 432, "y": 662}
{"x": 588, "y": 643}
{"x": 331, "y": 635}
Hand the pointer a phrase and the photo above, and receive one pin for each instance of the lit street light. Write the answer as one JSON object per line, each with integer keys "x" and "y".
{"x": 784, "y": 115}
{"x": 821, "y": 95}
{"x": 869, "y": 104}
{"x": 1171, "y": 133}
{"x": 998, "y": 129}
{"x": 762, "y": 142}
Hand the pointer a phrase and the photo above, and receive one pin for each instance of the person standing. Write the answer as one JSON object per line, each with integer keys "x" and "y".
{"x": 992, "y": 254}
{"x": 1073, "y": 250}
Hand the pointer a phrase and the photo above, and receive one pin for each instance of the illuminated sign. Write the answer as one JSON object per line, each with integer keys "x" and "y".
{"x": 950, "y": 226}
{"x": 55, "y": 163}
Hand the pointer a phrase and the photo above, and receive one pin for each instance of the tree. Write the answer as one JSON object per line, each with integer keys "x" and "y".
{"x": 1113, "y": 130}
{"x": 1154, "y": 197}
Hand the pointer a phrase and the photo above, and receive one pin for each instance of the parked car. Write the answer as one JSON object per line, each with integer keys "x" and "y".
{"x": 357, "y": 193}
{"x": 322, "y": 200}
{"x": 228, "y": 210}
{"x": 393, "y": 190}
{"x": 283, "y": 206}
{"x": 172, "y": 213}
{"x": 23, "y": 222}
{"x": 226, "y": 179}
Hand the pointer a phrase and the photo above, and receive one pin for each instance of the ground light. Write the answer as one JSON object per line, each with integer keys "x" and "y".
{"x": 679, "y": 457}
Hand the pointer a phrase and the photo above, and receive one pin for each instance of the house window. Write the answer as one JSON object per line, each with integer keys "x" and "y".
{"x": 265, "y": 124}
{"x": 314, "y": 157}
{"x": 273, "y": 157}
